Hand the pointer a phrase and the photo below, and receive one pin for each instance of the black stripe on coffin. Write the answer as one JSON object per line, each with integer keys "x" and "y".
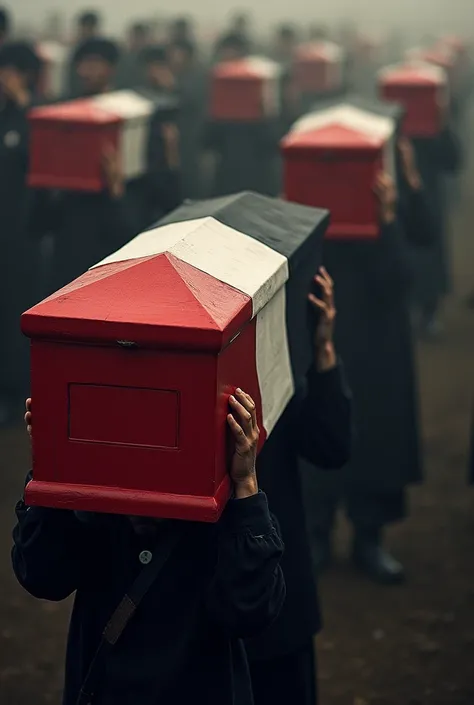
{"x": 295, "y": 231}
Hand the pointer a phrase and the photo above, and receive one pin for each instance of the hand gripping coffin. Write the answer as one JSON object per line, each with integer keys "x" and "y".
{"x": 331, "y": 159}
{"x": 132, "y": 364}
{"x": 68, "y": 139}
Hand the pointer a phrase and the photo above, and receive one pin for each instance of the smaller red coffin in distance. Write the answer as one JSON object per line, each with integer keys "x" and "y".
{"x": 133, "y": 363}
{"x": 246, "y": 90}
{"x": 318, "y": 67}
{"x": 422, "y": 90}
{"x": 331, "y": 159}
{"x": 68, "y": 139}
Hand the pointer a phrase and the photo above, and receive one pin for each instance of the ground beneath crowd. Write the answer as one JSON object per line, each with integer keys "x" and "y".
{"x": 410, "y": 645}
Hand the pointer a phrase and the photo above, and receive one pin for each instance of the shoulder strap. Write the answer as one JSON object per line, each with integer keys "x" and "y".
{"x": 126, "y": 609}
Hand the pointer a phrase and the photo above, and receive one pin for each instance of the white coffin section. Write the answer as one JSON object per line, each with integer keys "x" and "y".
{"x": 274, "y": 371}
{"x": 418, "y": 69}
{"x": 222, "y": 252}
{"x": 135, "y": 112}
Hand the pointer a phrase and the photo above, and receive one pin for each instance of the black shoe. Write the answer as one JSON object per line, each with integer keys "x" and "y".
{"x": 370, "y": 557}
{"x": 321, "y": 552}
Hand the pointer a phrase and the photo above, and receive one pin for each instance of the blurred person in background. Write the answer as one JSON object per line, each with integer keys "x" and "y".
{"x": 158, "y": 76}
{"x": 19, "y": 70}
{"x": 130, "y": 68}
{"x": 230, "y": 47}
{"x": 182, "y": 30}
{"x": 5, "y": 25}
{"x": 88, "y": 26}
{"x": 374, "y": 337}
{"x": 96, "y": 61}
{"x": 191, "y": 86}
{"x": 285, "y": 43}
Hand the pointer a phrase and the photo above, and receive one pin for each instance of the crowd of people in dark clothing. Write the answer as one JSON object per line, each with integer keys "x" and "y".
{"x": 232, "y": 616}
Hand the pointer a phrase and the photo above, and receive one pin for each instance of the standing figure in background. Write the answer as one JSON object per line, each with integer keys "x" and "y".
{"x": 182, "y": 30}
{"x": 19, "y": 70}
{"x": 191, "y": 85}
{"x": 436, "y": 158}
{"x": 88, "y": 27}
{"x": 130, "y": 69}
{"x": 5, "y": 25}
{"x": 374, "y": 337}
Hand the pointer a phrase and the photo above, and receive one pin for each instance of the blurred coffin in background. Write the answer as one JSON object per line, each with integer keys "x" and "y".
{"x": 331, "y": 158}
{"x": 68, "y": 139}
{"x": 136, "y": 359}
{"x": 422, "y": 89}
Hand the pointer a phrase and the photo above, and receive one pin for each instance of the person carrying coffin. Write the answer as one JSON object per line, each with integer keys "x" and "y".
{"x": 196, "y": 589}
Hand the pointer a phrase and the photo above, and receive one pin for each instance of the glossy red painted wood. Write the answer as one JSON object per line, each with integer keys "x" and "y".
{"x": 335, "y": 168}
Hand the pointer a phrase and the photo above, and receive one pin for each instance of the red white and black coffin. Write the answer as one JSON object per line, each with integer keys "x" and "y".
{"x": 422, "y": 90}
{"x": 68, "y": 139}
{"x": 331, "y": 159}
{"x": 318, "y": 67}
{"x": 54, "y": 56}
{"x": 133, "y": 363}
{"x": 246, "y": 90}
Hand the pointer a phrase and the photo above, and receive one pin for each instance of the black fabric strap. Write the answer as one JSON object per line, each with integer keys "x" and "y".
{"x": 126, "y": 609}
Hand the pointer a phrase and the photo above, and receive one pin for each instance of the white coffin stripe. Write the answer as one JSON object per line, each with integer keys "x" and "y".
{"x": 124, "y": 104}
{"x": 135, "y": 112}
{"x": 218, "y": 250}
{"x": 374, "y": 127}
{"x": 274, "y": 371}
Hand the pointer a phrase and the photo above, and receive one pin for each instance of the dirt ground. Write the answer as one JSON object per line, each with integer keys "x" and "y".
{"x": 410, "y": 645}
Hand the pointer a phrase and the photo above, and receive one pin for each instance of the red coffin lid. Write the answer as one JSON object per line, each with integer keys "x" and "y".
{"x": 413, "y": 74}
{"x": 78, "y": 112}
{"x": 248, "y": 68}
{"x": 187, "y": 285}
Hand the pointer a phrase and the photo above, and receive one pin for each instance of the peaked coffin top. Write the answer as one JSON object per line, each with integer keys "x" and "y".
{"x": 343, "y": 126}
{"x": 416, "y": 73}
{"x": 112, "y": 107}
{"x": 248, "y": 67}
{"x": 191, "y": 282}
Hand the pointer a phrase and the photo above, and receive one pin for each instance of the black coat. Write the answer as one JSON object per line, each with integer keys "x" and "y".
{"x": 374, "y": 337}
{"x": 432, "y": 266}
{"x": 221, "y": 583}
{"x": 316, "y": 426}
{"x": 18, "y": 264}
{"x": 246, "y": 157}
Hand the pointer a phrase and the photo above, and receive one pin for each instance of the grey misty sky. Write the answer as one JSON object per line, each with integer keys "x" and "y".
{"x": 416, "y": 15}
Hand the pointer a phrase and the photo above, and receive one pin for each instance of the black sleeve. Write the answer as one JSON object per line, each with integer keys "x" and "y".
{"x": 48, "y": 550}
{"x": 416, "y": 219}
{"x": 450, "y": 156}
{"x": 119, "y": 219}
{"x": 323, "y": 422}
{"x": 389, "y": 273}
{"x": 248, "y": 589}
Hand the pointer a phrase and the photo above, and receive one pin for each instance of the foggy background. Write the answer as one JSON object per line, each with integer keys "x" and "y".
{"x": 405, "y": 15}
